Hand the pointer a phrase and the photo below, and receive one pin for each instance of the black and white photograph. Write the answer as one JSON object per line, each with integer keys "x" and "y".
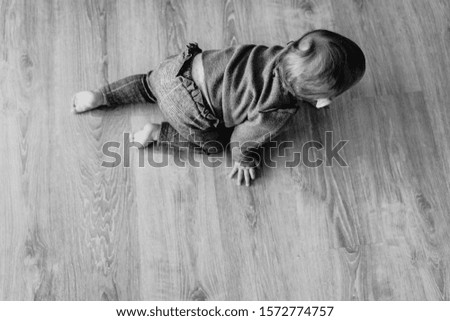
{"x": 225, "y": 150}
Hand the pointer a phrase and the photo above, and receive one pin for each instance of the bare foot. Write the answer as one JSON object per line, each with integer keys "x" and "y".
{"x": 87, "y": 100}
{"x": 146, "y": 135}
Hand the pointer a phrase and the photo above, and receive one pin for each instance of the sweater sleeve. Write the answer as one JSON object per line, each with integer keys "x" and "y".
{"x": 258, "y": 129}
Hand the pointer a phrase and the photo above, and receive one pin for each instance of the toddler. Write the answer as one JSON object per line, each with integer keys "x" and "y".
{"x": 243, "y": 94}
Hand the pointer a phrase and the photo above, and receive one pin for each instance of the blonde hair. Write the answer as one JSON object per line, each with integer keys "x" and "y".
{"x": 321, "y": 64}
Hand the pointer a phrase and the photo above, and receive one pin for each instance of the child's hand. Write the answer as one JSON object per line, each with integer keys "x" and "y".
{"x": 243, "y": 172}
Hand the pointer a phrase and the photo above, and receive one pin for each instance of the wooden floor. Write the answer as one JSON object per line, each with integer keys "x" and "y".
{"x": 71, "y": 229}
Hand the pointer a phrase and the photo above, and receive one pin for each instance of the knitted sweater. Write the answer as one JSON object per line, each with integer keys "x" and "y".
{"x": 246, "y": 92}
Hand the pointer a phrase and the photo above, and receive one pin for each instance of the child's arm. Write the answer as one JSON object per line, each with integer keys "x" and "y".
{"x": 249, "y": 136}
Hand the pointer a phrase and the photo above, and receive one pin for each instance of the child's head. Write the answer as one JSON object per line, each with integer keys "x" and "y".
{"x": 320, "y": 66}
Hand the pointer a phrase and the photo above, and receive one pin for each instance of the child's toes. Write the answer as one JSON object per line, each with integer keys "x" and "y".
{"x": 147, "y": 129}
{"x": 142, "y": 137}
{"x": 77, "y": 106}
{"x": 84, "y": 101}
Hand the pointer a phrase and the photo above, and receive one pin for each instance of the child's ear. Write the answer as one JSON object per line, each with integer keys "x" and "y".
{"x": 305, "y": 45}
{"x": 323, "y": 103}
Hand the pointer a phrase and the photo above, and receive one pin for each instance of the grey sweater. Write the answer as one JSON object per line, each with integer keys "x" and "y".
{"x": 246, "y": 93}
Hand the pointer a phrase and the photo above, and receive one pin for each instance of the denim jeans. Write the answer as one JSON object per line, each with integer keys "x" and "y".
{"x": 191, "y": 122}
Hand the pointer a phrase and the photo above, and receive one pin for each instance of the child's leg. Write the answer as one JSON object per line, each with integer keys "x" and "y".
{"x": 209, "y": 142}
{"x": 130, "y": 90}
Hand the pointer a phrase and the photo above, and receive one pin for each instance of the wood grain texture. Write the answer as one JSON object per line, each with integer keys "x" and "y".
{"x": 71, "y": 229}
